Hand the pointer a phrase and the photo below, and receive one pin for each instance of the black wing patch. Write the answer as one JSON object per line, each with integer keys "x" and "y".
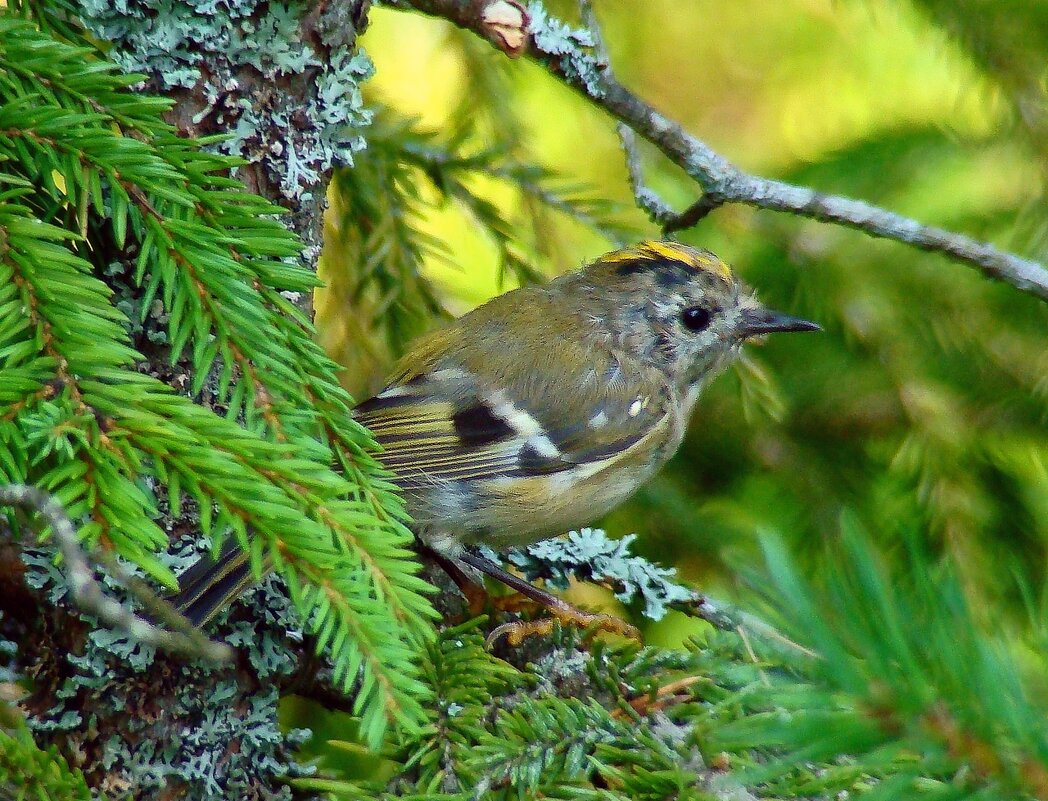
{"x": 478, "y": 425}
{"x": 532, "y": 463}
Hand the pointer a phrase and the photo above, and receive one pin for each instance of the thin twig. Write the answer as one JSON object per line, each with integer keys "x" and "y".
{"x": 88, "y": 595}
{"x": 752, "y": 655}
{"x": 727, "y": 618}
{"x": 691, "y": 215}
{"x": 657, "y": 209}
{"x": 565, "y": 53}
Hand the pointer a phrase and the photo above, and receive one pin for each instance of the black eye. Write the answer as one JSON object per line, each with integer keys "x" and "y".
{"x": 696, "y": 318}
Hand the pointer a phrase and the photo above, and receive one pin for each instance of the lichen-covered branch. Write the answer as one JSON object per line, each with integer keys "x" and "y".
{"x": 567, "y": 54}
{"x": 88, "y": 595}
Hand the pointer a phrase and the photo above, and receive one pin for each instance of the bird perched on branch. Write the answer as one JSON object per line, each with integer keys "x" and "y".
{"x": 545, "y": 408}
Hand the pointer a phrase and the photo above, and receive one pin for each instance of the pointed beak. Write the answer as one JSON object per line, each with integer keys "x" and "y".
{"x": 766, "y": 321}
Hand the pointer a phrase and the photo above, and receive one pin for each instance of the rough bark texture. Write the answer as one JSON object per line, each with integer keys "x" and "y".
{"x": 280, "y": 83}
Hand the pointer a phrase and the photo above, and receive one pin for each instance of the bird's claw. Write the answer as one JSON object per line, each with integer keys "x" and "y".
{"x": 517, "y": 631}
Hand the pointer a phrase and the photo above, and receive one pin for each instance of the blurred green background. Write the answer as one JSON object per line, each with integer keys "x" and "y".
{"x": 923, "y": 406}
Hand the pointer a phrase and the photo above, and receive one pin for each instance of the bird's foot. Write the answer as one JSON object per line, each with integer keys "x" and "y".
{"x": 516, "y": 632}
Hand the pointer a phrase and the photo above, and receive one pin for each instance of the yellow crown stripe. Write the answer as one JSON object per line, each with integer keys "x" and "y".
{"x": 670, "y": 251}
{"x": 655, "y": 249}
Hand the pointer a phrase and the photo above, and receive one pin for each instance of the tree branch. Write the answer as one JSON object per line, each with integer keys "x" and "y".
{"x": 88, "y": 595}
{"x": 566, "y": 53}
{"x": 657, "y": 209}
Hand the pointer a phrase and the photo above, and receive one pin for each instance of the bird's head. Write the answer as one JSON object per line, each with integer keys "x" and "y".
{"x": 678, "y": 308}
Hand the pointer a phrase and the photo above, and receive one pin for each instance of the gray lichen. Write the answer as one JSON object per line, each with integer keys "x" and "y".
{"x": 207, "y": 735}
{"x": 305, "y": 140}
{"x": 569, "y": 46}
{"x": 175, "y": 38}
{"x": 238, "y": 58}
{"x": 589, "y": 555}
{"x": 8, "y": 650}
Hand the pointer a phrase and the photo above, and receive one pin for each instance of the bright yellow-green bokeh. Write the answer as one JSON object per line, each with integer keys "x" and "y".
{"x": 772, "y": 86}
{"x": 776, "y": 87}
{"x": 769, "y": 85}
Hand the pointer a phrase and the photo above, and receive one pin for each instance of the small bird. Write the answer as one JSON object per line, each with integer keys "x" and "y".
{"x": 545, "y": 408}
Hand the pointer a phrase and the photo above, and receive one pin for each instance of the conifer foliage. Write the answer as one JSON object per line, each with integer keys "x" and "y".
{"x": 260, "y": 443}
{"x": 124, "y": 246}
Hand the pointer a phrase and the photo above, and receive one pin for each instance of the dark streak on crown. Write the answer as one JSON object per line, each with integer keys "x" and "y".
{"x": 667, "y": 274}
{"x": 670, "y": 263}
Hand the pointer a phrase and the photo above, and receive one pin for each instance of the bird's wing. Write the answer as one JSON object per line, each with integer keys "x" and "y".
{"x": 470, "y": 413}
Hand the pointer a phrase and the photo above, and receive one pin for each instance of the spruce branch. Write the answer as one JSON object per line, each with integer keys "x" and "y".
{"x": 566, "y": 55}
{"x": 904, "y": 670}
{"x": 288, "y": 471}
{"x": 27, "y": 771}
{"x": 463, "y": 677}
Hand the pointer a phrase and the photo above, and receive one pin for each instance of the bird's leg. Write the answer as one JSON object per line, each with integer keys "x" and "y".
{"x": 475, "y": 594}
{"x": 561, "y": 610}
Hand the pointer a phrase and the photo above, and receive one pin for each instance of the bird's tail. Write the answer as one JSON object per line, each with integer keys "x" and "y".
{"x": 211, "y": 584}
